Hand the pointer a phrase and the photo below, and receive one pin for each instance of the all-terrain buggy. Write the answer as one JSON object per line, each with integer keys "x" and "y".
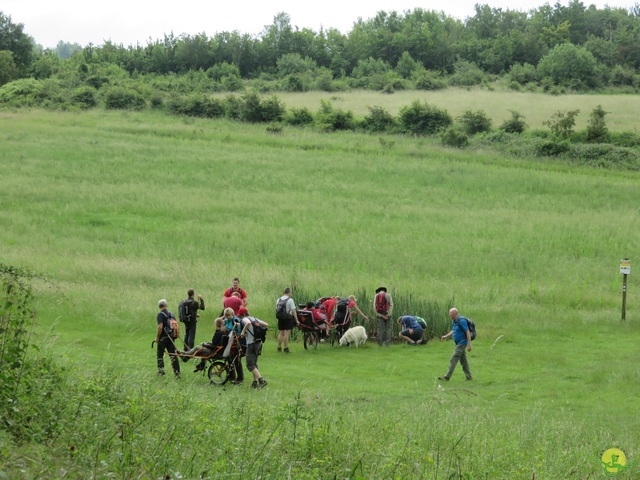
{"x": 221, "y": 358}
{"x": 312, "y": 330}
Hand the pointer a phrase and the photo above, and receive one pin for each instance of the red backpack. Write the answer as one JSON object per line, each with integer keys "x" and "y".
{"x": 382, "y": 305}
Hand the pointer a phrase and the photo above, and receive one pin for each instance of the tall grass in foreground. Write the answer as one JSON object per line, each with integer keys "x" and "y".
{"x": 119, "y": 210}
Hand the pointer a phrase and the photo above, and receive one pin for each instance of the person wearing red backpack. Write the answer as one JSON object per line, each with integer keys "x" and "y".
{"x": 164, "y": 341}
{"x": 383, "y": 306}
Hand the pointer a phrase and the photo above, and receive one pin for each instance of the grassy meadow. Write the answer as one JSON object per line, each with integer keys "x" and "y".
{"x": 118, "y": 210}
{"x": 535, "y": 107}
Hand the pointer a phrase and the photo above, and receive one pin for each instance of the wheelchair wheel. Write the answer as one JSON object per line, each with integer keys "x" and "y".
{"x": 218, "y": 372}
{"x": 310, "y": 340}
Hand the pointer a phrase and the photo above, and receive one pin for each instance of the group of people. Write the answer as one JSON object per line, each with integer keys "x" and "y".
{"x": 233, "y": 321}
{"x": 326, "y": 313}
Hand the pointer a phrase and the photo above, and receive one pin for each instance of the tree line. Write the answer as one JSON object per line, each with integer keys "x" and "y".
{"x": 392, "y": 48}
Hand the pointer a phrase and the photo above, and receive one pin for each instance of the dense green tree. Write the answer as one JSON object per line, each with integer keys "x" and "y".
{"x": 66, "y": 49}
{"x": 571, "y": 66}
{"x": 8, "y": 69}
{"x": 14, "y": 40}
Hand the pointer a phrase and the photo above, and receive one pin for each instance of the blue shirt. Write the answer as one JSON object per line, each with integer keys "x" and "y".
{"x": 460, "y": 328}
{"x": 410, "y": 323}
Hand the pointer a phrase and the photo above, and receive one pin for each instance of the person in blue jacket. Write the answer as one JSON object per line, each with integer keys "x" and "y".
{"x": 462, "y": 338}
{"x": 410, "y": 330}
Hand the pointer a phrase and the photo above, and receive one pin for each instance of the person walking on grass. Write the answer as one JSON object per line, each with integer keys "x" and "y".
{"x": 164, "y": 341}
{"x": 462, "y": 338}
{"x": 383, "y": 306}
{"x": 287, "y": 317}
{"x": 192, "y": 306}
{"x": 254, "y": 346}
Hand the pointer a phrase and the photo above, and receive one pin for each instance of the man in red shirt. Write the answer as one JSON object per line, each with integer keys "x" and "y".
{"x": 234, "y": 302}
{"x": 235, "y": 288}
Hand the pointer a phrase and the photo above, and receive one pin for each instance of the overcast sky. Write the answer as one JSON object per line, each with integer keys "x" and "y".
{"x": 136, "y": 21}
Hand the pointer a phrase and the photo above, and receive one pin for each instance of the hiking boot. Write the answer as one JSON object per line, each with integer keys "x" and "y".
{"x": 262, "y": 383}
{"x": 279, "y": 349}
{"x": 446, "y": 379}
{"x": 184, "y": 356}
{"x": 161, "y": 373}
{"x": 236, "y": 382}
{"x": 469, "y": 379}
{"x": 254, "y": 384}
{"x": 199, "y": 368}
{"x": 286, "y": 350}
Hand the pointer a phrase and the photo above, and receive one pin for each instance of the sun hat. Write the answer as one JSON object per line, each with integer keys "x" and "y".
{"x": 381, "y": 289}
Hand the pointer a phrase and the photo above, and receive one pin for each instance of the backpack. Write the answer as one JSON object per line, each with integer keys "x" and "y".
{"x": 259, "y": 331}
{"x": 318, "y": 303}
{"x": 382, "y": 305}
{"x": 472, "y": 328}
{"x": 171, "y": 327}
{"x": 183, "y": 311}
{"x": 342, "y": 305}
{"x": 281, "y": 310}
{"x": 422, "y": 322}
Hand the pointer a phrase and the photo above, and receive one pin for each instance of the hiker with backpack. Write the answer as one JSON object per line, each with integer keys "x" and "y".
{"x": 254, "y": 332}
{"x": 188, "y": 314}
{"x": 383, "y": 306}
{"x": 411, "y": 330}
{"x": 461, "y": 334}
{"x": 342, "y": 316}
{"x": 287, "y": 317}
{"x": 235, "y": 288}
{"x": 166, "y": 333}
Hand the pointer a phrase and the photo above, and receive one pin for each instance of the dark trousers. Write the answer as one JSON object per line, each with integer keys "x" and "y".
{"x": 189, "y": 334}
{"x": 167, "y": 344}
{"x": 237, "y": 371}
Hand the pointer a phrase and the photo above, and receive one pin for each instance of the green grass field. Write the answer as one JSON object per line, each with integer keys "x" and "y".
{"x": 118, "y": 210}
{"x": 535, "y": 107}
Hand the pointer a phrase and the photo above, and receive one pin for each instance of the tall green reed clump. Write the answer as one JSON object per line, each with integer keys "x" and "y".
{"x": 435, "y": 312}
{"x": 15, "y": 316}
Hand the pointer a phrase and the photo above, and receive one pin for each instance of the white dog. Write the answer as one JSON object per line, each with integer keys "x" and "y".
{"x": 357, "y": 335}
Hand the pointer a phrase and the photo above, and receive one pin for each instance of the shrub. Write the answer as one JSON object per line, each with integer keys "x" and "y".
{"x": 561, "y": 124}
{"x": 423, "y": 119}
{"x": 606, "y": 156}
{"x": 515, "y": 124}
{"x": 621, "y": 76}
{"x": 23, "y": 92}
{"x": 84, "y": 97}
{"x": 299, "y": 116}
{"x": 253, "y": 109}
{"x": 378, "y": 120}
{"x": 523, "y": 74}
{"x": 466, "y": 74}
{"x": 273, "y": 109}
{"x": 196, "y": 105}
{"x": 472, "y": 123}
{"x": 119, "y": 98}
{"x": 552, "y": 148}
{"x": 232, "y": 107}
{"x": 597, "y": 127}
{"x": 454, "y": 138}
{"x": 426, "y": 80}
{"x": 330, "y": 118}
